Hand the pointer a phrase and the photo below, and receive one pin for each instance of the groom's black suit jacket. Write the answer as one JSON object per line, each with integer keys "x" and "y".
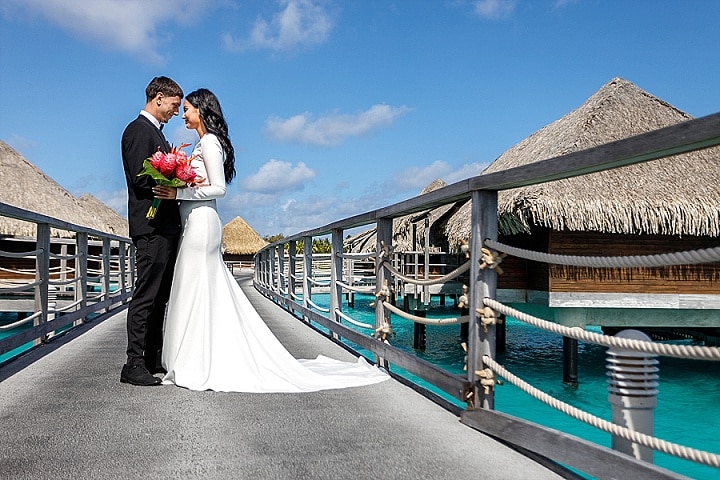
{"x": 139, "y": 141}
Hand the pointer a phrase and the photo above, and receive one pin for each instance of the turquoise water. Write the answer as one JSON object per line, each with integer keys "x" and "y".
{"x": 689, "y": 391}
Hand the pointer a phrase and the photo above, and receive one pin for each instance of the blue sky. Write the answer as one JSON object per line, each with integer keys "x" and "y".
{"x": 335, "y": 107}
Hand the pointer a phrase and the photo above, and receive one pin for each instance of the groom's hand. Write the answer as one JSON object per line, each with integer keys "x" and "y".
{"x": 165, "y": 193}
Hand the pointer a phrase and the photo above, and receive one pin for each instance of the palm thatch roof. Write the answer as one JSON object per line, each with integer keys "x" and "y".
{"x": 112, "y": 221}
{"x": 403, "y": 227}
{"x": 239, "y": 238}
{"x": 26, "y": 186}
{"x": 678, "y": 195}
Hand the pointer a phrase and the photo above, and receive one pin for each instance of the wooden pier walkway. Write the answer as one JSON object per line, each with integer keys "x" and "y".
{"x": 65, "y": 415}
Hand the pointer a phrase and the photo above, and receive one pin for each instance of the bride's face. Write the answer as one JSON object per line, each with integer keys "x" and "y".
{"x": 191, "y": 115}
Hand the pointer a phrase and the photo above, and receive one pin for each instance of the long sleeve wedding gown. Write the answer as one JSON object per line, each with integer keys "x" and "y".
{"x": 214, "y": 339}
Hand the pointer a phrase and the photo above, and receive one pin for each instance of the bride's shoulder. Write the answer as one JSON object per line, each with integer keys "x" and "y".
{"x": 210, "y": 139}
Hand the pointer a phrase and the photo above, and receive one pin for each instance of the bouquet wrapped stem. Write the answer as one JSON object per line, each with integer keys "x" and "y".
{"x": 153, "y": 209}
{"x": 170, "y": 169}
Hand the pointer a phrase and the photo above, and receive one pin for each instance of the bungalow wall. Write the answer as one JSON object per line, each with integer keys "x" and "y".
{"x": 521, "y": 274}
{"x": 681, "y": 279}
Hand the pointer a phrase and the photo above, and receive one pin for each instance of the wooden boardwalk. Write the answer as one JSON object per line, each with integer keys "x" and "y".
{"x": 65, "y": 415}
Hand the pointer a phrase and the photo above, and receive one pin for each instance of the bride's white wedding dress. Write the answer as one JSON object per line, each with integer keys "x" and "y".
{"x": 214, "y": 339}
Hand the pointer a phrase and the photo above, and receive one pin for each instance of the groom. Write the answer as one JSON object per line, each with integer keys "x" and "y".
{"x": 155, "y": 240}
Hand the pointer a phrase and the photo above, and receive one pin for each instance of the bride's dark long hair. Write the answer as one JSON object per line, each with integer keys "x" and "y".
{"x": 212, "y": 117}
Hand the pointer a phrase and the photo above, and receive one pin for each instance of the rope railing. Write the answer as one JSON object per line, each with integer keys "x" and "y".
{"x": 434, "y": 281}
{"x": 689, "y": 257}
{"x": 664, "y": 446}
{"x": 353, "y": 321}
{"x": 21, "y": 322}
{"x": 60, "y": 256}
{"x": 63, "y": 282}
{"x": 23, "y": 288}
{"x": 18, "y": 271}
{"x": 678, "y": 351}
{"x": 357, "y": 256}
{"x": 314, "y": 305}
{"x": 355, "y": 288}
{"x": 69, "y": 306}
{"x": 427, "y": 321}
{"x": 28, "y": 254}
{"x": 319, "y": 284}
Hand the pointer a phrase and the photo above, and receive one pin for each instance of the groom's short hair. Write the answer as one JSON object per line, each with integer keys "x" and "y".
{"x": 164, "y": 85}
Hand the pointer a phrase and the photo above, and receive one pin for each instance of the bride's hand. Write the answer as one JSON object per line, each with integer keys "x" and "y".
{"x": 200, "y": 182}
{"x": 164, "y": 193}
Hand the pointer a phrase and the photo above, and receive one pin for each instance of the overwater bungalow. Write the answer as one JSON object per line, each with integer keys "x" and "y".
{"x": 661, "y": 206}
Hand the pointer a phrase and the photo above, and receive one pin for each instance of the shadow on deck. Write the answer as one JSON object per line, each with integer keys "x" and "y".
{"x": 64, "y": 414}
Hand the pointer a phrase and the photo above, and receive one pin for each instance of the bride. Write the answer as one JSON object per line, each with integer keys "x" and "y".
{"x": 214, "y": 339}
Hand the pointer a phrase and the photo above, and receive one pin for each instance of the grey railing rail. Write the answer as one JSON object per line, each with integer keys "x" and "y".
{"x": 62, "y": 282}
{"x": 271, "y": 263}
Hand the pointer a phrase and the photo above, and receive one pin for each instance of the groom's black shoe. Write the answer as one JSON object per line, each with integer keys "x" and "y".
{"x": 138, "y": 375}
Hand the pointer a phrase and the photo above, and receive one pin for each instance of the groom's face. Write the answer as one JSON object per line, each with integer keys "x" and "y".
{"x": 167, "y": 107}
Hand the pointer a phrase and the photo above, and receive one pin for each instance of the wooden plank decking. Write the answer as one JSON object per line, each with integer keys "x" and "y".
{"x": 65, "y": 415}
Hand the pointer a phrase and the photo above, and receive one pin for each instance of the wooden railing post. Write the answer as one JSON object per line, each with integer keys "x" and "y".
{"x": 81, "y": 272}
{"x": 123, "y": 258}
{"x": 307, "y": 273}
{"x": 106, "y": 272}
{"x": 291, "y": 283}
{"x": 281, "y": 268}
{"x": 383, "y": 237}
{"x": 336, "y": 275}
{"x": 42, "y": 275}
{"x": 483, "y": 283}
{"x": 272, "y": 282}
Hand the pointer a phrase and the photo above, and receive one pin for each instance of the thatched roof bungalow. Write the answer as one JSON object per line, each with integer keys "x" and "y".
{"x": 26, "y": 186}
{"x": 411, "y": 232}
{"x": 111, "y": 220}
{"x": 240, "y": 241}
{"x": 660, "y": 206}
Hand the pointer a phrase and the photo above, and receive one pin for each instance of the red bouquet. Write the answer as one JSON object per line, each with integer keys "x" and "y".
{"x": 170, "y": 169}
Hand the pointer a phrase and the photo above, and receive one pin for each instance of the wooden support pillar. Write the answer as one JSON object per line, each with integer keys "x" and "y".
{"x": 500, "y": 336}
{"x": 570, "y": 361}
{"x": 420, "y": 338}
{"x": 464, "y": 326}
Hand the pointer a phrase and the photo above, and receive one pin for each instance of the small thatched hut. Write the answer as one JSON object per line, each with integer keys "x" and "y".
{"x": 411, "y": 232}
{"x": 240, "y": 241}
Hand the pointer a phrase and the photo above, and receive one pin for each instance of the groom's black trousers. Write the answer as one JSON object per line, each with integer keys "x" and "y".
{"x": 154, "y": 261}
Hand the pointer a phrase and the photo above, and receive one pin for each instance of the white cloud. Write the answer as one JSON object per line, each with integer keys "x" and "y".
{"x": 127, "y": 25}
{"x": 278, "y": 176}
{"x": 415, "y": 179}
{"x": 300, "y": 23}
{"x": 331, "y": 129}
{"x": 494, "y": 9}
{"x": 465, "y": 171}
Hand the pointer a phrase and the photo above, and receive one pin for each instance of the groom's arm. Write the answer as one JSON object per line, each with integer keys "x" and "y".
{"x": 138, "y": 143}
